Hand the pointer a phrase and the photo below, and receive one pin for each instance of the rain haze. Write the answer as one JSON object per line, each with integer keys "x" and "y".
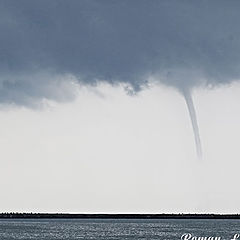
{"x": 119, "y": 106}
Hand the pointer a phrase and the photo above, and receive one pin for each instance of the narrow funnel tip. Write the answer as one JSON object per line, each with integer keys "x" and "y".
{"x": 192, "y": 113}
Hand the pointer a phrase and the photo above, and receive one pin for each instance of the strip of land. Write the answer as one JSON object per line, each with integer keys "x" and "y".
{"x": 117, "y": 216}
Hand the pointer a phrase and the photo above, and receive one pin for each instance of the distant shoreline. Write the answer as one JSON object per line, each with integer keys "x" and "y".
{"x": 116, "y": 216}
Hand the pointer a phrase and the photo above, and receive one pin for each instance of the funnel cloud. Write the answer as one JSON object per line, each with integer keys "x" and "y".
{"x": 191, "y": 109}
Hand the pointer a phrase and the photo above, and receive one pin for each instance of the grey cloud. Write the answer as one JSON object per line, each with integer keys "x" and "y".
{"x": 183, "y": 44}
{"x": 180, "y": 43}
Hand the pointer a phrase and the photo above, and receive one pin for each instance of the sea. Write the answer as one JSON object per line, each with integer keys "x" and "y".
{"x": 105, "y": 229}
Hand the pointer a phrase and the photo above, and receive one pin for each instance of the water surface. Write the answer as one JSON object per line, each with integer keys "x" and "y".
{"x": 115, "y": 228}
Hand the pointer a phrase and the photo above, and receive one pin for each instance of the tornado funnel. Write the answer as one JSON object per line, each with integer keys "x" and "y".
{"x": 192, "y": 113}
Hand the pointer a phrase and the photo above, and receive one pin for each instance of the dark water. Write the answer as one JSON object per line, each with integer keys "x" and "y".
{"x": 116, "y": 229}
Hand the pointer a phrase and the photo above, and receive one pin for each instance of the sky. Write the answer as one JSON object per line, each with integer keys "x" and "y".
{"x": 110, "y": 152}
{"x": 107, "y": 106}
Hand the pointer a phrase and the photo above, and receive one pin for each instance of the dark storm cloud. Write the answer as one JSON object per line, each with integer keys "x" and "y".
{"x": 180, "y": 43}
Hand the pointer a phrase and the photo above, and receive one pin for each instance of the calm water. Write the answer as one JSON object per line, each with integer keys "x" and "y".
{"x": 115, "y": 229}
